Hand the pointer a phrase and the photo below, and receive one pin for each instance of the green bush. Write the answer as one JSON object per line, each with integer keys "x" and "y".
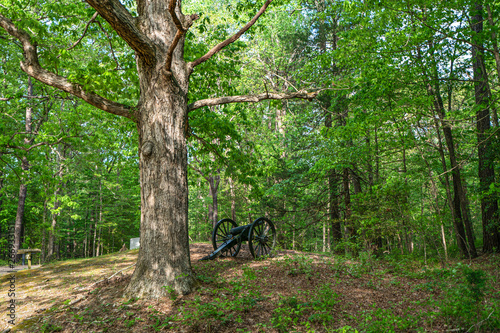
{"x": 466, "y": 304}
{"x": 384, "y": 320}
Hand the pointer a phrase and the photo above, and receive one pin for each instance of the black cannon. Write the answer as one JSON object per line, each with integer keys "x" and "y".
{"x": 227, "y": 238}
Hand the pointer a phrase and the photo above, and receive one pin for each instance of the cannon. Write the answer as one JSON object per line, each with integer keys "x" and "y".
{"x": 227, "y": 238}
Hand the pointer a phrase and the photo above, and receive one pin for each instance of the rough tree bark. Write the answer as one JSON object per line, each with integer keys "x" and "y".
{"x": 489, "y": 203}
{"x": 157, "y": 37}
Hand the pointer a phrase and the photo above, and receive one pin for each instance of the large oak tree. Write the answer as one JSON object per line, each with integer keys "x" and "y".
{"x": 156, "y": 35}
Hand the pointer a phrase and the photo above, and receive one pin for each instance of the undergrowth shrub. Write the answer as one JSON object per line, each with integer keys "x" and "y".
{"x": 385, "y": 320}
{"x": 291, "y": 312}
{"x": 297, "y": 264}
{"x": 468, "y": 303}
{"x": 287, "y": 314}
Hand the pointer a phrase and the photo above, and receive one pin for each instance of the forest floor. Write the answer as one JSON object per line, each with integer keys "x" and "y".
{"x": 292, "y": 292}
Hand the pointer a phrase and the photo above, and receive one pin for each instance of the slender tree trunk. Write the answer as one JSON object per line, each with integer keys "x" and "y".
{"x": 489, "y": 203}
{"x": 336, "y": 227}
{"x": 463, "y": 225}
{"x": 94, "y": 239}
{"x": 53, "y": 224}
{"x": 100, "y": 219}
{"x": 334, "y": 211}
{"x": 347, "y": 203}
{"x": 23, "y": 189}
{"x": 55, "y": 211}
{"x": 214, "y": 182}
{"x": 445, "y": 169}
{"x": 369, "y": 166}
{"x": 324, "y": 237}
{"x": 1, "y": 186}
{"x": 233, "y": 199}
{"x": 496, "y": 54}
{"x": 435, "y": 194}
{"x": 377, "y": 158}
{"x": 496, "y": 51}
{"x": 75, "y": 244}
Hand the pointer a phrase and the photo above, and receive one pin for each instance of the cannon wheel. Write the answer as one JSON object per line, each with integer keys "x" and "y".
{"x": 220, "y": 234}
{"x": 261, "y": 237}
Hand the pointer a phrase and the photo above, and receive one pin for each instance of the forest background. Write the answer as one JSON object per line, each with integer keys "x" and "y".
{"x": 398, "y": 153}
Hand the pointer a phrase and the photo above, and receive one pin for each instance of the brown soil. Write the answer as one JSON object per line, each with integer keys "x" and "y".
{"x": 64, "y": 297}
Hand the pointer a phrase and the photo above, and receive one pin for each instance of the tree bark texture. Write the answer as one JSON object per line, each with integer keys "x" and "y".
{"x": 164, "y": 258}
{"x": 489, "y": 203}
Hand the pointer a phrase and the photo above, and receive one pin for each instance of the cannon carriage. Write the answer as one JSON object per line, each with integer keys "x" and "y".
{"x": 227, "y": 237}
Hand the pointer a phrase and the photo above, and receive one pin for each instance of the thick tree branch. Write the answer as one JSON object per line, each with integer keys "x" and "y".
{"x": 32, "y": 67}
{"x": 250, "y": 98}
{"x": 124, "y": 24}
{"x": 230, "y": 40}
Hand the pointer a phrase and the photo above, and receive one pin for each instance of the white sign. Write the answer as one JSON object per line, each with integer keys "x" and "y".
{"x": 135, "y": 243}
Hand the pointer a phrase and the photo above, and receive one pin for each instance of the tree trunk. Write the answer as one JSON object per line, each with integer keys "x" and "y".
{"x": 324, "y": 237}
{"x": 214, "y": 182}
{"x": 1, "y": 186}
{"x": 463, "y": 225}
{"x": 23, "y": 189}
{"x": 489, "y": 203}
{"x": 334, "y": 211}
{"x": 347, "y": 204}
{"x": 445, "y": 169}
{"x": 461, "y": 222}
{"x": 94, "y": 239}
{"x": 233, "y": 199}
{"x": 164, "y": 258}
{"x": 52, "y": 230}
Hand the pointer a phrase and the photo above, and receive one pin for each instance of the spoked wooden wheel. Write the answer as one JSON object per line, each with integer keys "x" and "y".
{"x": 262, "y": 237}
{"x": 220, "y": 234}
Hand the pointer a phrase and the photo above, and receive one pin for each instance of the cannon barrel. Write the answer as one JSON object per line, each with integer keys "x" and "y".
{"x": 227, "y": 244}
{"x": 239, "y": 230}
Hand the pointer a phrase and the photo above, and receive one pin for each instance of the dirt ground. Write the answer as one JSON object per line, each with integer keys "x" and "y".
{"x": 76, "y": 295}
{"x": 72, "y": 281}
